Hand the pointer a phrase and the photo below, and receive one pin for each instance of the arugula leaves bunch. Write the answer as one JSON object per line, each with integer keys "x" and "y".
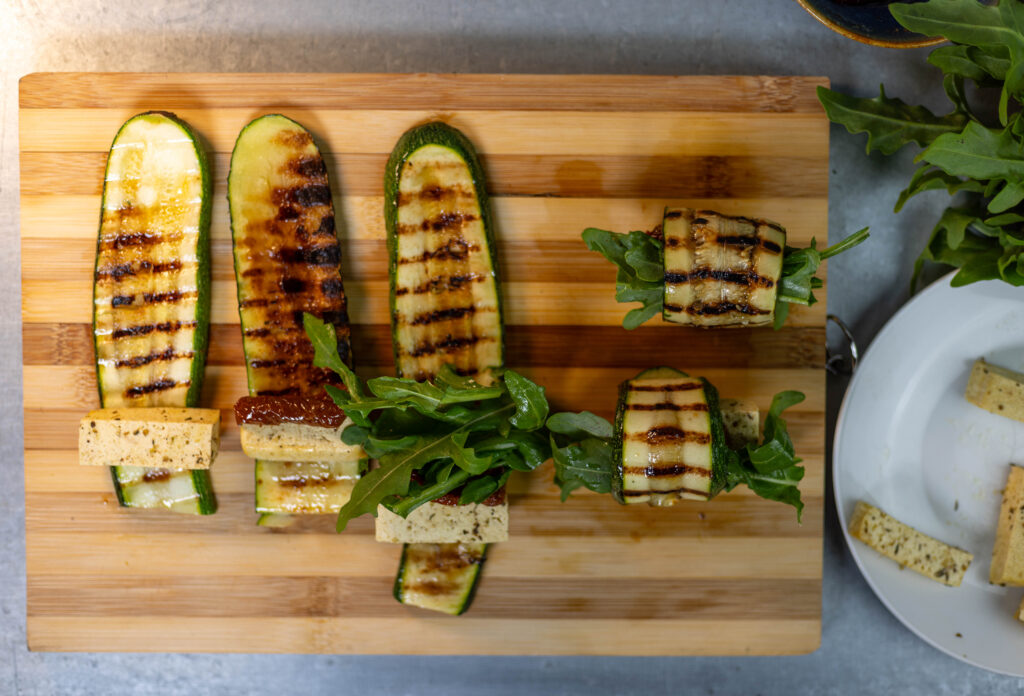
{"x": 583, "y": 448}
{"x": 433, "y": 438}
{"x": 961, "y": 151}
{"x": 640, "y": 258}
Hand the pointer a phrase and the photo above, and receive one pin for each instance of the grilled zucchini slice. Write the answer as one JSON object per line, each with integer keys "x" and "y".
{"x": 720, "y": 270}
{"x": 439, "y": 577}
{"x": 151, "y": 292}
{"x": 287, "y": 261}
{"x": 670, "y": 442}
{"x": 445, "y": 304}
{"x": 445, "y": 309}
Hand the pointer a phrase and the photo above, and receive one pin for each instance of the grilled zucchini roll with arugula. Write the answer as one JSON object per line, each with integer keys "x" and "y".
{"x": 151, "y": 295}
{"x": 673, "y": 439}
{"x": 445, "y": 309}
{"x": 287, "y": 261}
{"x": 702, "y": 268}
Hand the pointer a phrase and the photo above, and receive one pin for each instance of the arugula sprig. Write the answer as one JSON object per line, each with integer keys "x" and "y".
{"x": 962, "y": 152}
{"x": 433, "y": 438}
{"x": 641, "y": 276}
{"x": 584, "y": 453}
{"x": 798, "y": 282}
{"x": 640, "y": 258}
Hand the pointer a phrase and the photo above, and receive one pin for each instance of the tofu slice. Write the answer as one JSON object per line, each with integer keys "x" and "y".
{"x": 295, "y": 442}
{"x": 185, "y": 438}
{"x": 996, "y": 389}
{"x": 435, "y": 523}
{"x": 1008, "y": 553}
{"x": 909, "y": 547}
{"x": 741, "y": 421}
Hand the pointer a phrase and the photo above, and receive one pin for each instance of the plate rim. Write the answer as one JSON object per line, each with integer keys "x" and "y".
{"x": 941, "y": 284}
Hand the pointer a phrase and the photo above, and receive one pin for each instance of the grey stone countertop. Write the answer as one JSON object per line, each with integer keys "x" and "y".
{"x": 863, "y": 650}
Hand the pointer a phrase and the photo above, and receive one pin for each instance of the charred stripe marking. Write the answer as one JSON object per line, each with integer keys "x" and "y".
{"x": 744, "y": 278}
{"x": 445, "y": 222}
{"x": 120, "y": 271}
{"x": 668, "y": 406}
{"x": 160, "y": 356}
{"x": 433, "y": 193}
{"x": 681, "y": 489}
{"x": 717, "y": 309}
{"x": 137, "y": 239}
{"x": 440, "y": 315}
{"x": 669, "y": 433}
{"x": 449, "y": 344}
{"x": 674, "y": 469}
{"x": 170, "y": 297}
{"x": 155, "y": 386}
{"x": 743, "y": 240}
{"x": 144, "y": 329}
{"x": 442, "y": 284}
{"x": 454, "y": 250}
{"x": 682, "y": 386}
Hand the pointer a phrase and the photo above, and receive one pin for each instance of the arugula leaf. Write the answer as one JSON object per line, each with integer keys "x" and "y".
{"x": 325, "y": 347}
{"x": 641, "y": 270}
{"x": 889, "y": 123}
{"x": 928, "y": 178}
{"x": 531, "y": 404}
{"x": 963, "y": 61}
{"x": 770, "y": 469}
{"x": 978, "y": 152}
{"x": 578, "y": 426}
{"x": 480, "y": 489}
{"x": 589, "y": 464}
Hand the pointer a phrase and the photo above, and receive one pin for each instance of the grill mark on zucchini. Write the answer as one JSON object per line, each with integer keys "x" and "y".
{"x": 137, "y": 239}
{"x": 433, "y": 193}
{"x": 442, "y": 284}
{"x": 667, "y": 406}
{"x": 158, "y": 385}
{"x": 685, "y": 386}
{"x": 455, "y": 250}
{"x": 155, "y": 475}
{"x": 672, "y": 469}
{"x": 666, "y": 434}
{"x": 120, "y": 271}
{"x": 745, "y": 278}
{"x": 310, "y": 195}
{"x": 156, "y": 356}
{"x": 718, "y": 308}
{"x": 443, "y": 315}
{"x": 654, "y": 492}
{"x": 450, "y": 344}
{"x": 443, "y": 222}
{"x": 145, "y": 329}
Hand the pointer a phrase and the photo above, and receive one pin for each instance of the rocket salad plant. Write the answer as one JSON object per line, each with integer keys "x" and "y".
{"x": 962, "y": 151}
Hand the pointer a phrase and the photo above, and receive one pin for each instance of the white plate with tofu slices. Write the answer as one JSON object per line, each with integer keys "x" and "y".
{"x": 908, "y": 442}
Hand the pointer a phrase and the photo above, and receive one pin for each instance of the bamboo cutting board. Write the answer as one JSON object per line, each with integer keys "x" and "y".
{"x": 734, "y": 576}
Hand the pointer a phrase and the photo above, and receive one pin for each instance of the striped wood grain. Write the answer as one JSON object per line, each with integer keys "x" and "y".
{"x": 733, "y": 576}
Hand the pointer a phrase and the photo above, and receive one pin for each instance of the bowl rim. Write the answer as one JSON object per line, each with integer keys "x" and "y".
{"x": 885, "y": 43}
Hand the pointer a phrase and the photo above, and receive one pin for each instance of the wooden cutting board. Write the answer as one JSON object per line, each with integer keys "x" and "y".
{"x": 734, "y": 576}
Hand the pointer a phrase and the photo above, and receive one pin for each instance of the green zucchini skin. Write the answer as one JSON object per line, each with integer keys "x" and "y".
{"x": 201, "y": 485}
{"x": 463, "y": 579}
{"x": 445, "y": 136}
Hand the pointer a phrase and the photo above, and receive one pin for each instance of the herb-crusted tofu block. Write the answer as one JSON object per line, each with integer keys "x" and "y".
{"x": 996, "y": 389}
{"x": 185, "y": 438}
{"x": 1008, "y": 554}
{"x": 436, "y": 523}
{"x": 909, "y": 547}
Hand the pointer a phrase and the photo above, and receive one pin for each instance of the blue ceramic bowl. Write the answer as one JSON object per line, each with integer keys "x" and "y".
{"x": 867, "y": 21}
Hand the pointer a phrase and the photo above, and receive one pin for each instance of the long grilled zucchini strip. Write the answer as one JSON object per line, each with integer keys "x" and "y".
{"x": 720, "y": 270}
{"x": 445, "y": 309}
{"x": 287, "y": 261}
{"x": 445, "y": 305}
{"x": 151, "y": 292}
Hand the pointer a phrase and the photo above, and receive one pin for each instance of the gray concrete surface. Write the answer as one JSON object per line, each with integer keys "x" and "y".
{"x": 864, "y": 649}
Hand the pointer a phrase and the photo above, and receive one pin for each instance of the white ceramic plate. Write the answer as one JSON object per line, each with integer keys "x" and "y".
{"x": 909, "y": 443}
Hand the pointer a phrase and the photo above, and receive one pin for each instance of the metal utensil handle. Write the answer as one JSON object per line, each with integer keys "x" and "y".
{"x": 837, "y": 364}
